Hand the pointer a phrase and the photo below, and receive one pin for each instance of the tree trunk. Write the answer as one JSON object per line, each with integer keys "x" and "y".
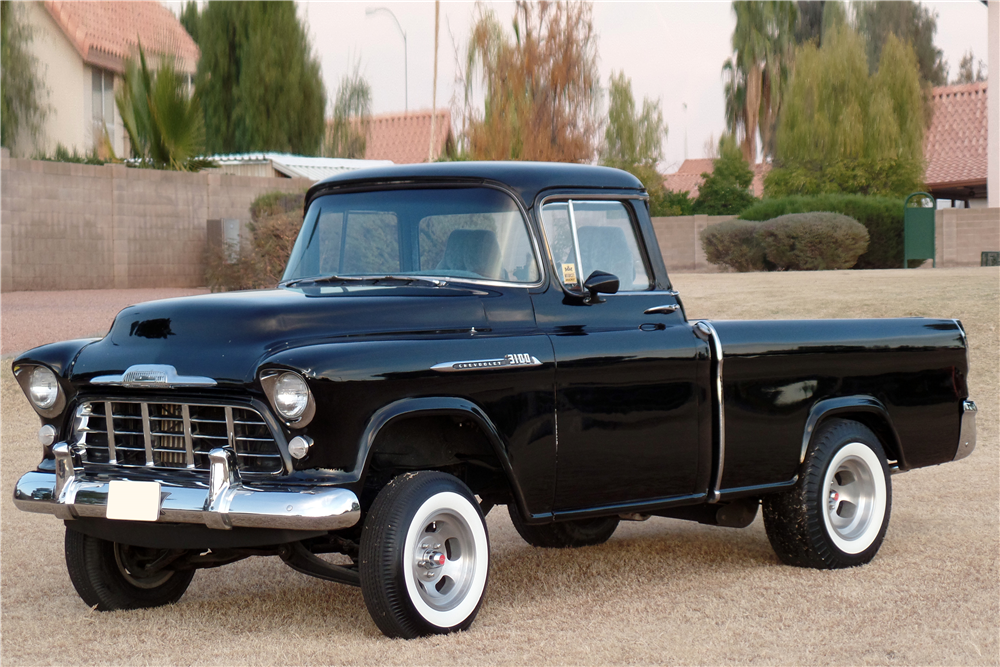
{"x": 752, "y": 114}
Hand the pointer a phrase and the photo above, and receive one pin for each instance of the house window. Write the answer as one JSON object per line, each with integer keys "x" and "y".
{"x": 103, "y": 93}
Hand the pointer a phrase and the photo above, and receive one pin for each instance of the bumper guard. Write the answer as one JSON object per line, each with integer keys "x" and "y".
{"x": 967, "y": 432}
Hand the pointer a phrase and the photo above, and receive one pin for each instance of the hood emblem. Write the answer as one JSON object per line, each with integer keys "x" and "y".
{"x": 153, "y": 375}
{"x": 507, "y": 361}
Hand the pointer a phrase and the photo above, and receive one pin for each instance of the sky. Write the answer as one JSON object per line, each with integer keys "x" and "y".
{"x": 672, "y": 51}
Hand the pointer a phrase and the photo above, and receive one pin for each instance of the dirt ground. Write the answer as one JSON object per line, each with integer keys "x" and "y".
{"x": 658, "y": 592}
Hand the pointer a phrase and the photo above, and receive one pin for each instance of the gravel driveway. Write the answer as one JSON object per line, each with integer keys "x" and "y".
{"x": 35, "y": 318}
{"x": 663, "y": 591}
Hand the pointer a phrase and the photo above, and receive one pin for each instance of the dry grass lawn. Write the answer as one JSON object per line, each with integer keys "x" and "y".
{"x": 659, "y": 592}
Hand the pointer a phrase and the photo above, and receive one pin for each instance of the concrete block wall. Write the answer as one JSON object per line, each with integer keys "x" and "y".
{"x": 961, "y": 235}
{"x": 679, "y": 238}
{"x": 74, "y": 226}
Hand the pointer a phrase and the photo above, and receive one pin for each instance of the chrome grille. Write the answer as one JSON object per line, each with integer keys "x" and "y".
{"x": 174, "y": 435}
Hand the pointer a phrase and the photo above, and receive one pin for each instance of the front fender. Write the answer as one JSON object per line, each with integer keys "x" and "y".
{"x": 431, "y": 406}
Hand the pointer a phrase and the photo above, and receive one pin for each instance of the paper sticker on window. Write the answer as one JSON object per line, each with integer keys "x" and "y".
{"x": 569, "y": 274}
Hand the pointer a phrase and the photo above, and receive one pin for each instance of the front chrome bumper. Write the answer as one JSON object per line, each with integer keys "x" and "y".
{"x": 967, "y": 432}
{"x": 224, "y": 503}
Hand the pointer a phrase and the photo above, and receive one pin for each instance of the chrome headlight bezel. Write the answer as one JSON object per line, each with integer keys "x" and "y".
{"x": 26, "y": 376}
{"x": 278, "y": 384}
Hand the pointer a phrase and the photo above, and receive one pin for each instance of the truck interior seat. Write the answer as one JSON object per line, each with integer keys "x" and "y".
{"x": 472, "y": 250}
{"x": 606, "y": 249}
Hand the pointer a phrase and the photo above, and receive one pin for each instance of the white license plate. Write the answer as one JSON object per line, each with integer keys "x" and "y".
{"x": 134, "y": 501}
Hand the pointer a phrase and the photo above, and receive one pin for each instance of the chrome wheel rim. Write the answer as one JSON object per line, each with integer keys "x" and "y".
{"x": 443, "y": 560}
{"x": 854, "y": 498}
{"x": 131, "y": 568}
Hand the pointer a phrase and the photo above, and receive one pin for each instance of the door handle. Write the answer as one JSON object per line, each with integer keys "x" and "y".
{"x": 655, "y": 310}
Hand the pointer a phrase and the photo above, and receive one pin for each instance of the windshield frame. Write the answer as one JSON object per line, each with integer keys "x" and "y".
{"x": 442, "y": 185}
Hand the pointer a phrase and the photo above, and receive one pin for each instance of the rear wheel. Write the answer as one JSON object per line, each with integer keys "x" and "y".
{"x": 563, "y": 534}
{"x": 110, "y": 576}
{"x": 425, "y": 556}
{"x": 838, "y": 513}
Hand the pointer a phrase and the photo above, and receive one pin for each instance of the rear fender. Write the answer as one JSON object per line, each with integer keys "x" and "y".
{"x": 871, "y": 412}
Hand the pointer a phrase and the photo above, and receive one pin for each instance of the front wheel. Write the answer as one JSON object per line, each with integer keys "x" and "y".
{"x": 425, "y": 556}
{"x": 110, "y": 576}
{"x": 837, "y": 514}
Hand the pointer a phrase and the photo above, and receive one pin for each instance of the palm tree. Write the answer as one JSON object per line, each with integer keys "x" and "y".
{"x": 347, "y": 135}
{"x": 762, "y": 52}
{"x": 736, "y": 100}
{"x": 164, "y": 123}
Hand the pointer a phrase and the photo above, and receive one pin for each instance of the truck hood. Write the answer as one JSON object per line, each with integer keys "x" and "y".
{"x": 226, "y": 336}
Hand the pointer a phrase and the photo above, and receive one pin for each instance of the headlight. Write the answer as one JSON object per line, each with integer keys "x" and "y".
{"x": 291, "y": 396}
{"x": 43, "y": 388}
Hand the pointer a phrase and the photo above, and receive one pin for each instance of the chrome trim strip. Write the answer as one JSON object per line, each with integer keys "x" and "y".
{"x": 230, "y": 429}
{"x": 154, "y": 376}
{"x": 188, "y": 440}
{"x": 576, "y": 244}
{"x": 967, "y": 432}
{"x": 109, "y": 428}
{"x": 509, "y": 361}
{"x": 712, "y": 337}
{"x": 146, "y": 434}
{"x": 288, "y": 508}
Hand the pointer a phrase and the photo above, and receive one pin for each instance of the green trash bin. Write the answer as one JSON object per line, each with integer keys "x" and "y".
{"x": 918, "y": 230}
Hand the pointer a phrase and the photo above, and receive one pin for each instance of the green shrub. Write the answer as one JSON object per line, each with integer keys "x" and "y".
{"x": 734, "y": 243}
{"x": 881, "y": 216}
{"x": 277, "y": 219}
{"x": 273, "y": 203}
{"x": 726, "y": 189}
{"x": 665, "y": 203}
{"x": 812, "y": 241}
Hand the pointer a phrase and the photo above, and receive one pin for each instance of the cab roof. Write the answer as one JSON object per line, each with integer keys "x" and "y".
{"x": 527, "y": 179}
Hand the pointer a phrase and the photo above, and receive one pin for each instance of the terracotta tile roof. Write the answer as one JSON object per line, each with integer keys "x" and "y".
{"x": 695, "y": 166}
{"x": 688, "y": 177}
{"x": 955, "y": 144}
{"x": 405, "y": 138}
{"x": 681, "y": 182}
{"x": 106, "y": 33}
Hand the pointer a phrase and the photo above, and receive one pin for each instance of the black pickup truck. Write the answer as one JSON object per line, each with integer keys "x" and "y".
{"x": 452, "y": 337}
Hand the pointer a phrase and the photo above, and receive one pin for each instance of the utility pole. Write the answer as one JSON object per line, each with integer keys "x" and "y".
{"x": 434, "y": 93}
{"x": 685, "y": 129}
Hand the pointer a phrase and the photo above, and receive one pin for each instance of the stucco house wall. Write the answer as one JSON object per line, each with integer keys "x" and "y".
{"x": 100, "y": 36}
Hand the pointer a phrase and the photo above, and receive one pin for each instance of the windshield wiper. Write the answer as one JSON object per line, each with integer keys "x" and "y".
{"x": 373, "y": 280}
{"x": 409, "y": 280}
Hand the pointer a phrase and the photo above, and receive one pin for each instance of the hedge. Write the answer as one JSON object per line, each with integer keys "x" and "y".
{"x": 734, "y": 243}
{"x": 881, "y": 216}
{"x": 812, "y": 241}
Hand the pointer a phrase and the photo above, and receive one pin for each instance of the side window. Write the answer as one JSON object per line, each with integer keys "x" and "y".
{"x": 588, "y": 236}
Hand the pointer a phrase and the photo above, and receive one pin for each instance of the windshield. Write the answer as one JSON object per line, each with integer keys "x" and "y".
{"x": 462, "y": 233}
